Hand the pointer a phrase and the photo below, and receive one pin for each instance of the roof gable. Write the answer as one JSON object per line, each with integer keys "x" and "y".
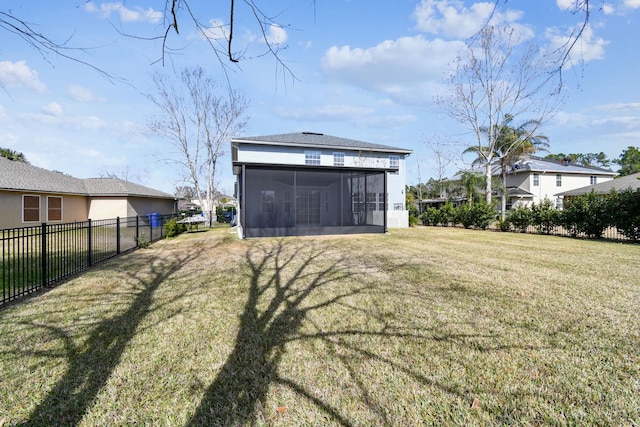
{"x": 19, "y": 176}
{"x": 318, "y": 140}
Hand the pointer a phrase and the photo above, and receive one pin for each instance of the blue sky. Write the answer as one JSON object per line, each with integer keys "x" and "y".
{"x": 365, "y": 69}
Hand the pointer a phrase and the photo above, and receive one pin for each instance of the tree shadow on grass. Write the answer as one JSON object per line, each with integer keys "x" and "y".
{"x": 277, "y": 304}
{"x": 91, "y": 363}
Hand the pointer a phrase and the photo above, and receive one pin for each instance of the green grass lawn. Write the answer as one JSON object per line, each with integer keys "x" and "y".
{"x": 423, "y": 326}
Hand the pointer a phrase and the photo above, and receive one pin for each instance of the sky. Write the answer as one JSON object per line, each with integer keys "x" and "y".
{"x": 359, "y": 69}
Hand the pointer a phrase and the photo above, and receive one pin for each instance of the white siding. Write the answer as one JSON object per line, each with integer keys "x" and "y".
{"x": 286, "y": 155}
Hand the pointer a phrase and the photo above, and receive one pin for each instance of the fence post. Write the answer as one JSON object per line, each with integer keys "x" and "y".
{"x": 43, "y": 245}
{"x": 150, "y": 218}
{"x": 89, "y": 244}
{"x": 137, "y": 229}
{"x": 117, "y": 235}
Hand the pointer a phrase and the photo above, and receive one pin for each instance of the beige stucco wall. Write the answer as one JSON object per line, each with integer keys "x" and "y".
{"x": 107, "y": 208}
{"x": 74, "y": 208}
{"x": 142, "y": 207}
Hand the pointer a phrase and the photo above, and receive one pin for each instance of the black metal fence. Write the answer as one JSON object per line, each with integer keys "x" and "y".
{"x": 38, "y": 256}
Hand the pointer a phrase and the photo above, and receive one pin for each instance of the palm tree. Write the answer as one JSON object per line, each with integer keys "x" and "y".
{"x": 13, "y": 155}
{"x": 512, "y": 144}
{"x": 470, "y": 182}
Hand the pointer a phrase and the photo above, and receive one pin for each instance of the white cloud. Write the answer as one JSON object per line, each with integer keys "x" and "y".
{"x": 52, "y": 109}
{"x": 276, "y": 35}
{"x": 329, "y": 112}
{"x": 452, "y": 19}
{"x": 619, "y": 106}
{"x": 138, "y": 14}
{"x": 80, "y": 93}
{"x": 632, "y": 4}
{"x": 407, "y": 68}
{"x": 18, "y": 74}
{"x": 70, "y": 123}
{"x": 566, "y": 4}
{"x": 215, "y": 31}
{"x": 587, "y": 48}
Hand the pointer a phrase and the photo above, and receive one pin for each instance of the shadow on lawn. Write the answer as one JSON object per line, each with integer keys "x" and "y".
{"x": 91, "y": 363}
{"x": 285, "y": 288}
{"x": 275, "y": 310}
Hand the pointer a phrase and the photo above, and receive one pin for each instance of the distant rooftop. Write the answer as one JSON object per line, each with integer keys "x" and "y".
{"x": 624, "y": 182}
{"x": 318, "y": 140}
{"x": 539, "y": 164}
{"x": 19, "y": 176}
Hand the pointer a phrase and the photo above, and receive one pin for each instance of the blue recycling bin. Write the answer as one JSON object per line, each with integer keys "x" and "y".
{"x": 154, "y": 219}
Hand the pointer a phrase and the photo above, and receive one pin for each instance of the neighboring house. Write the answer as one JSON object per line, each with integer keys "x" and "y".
{"x": 631, "y": 182}
{"x": 311, "y": 183}
{"x": 30, "y": 195}
{"x": 535, "y": 179}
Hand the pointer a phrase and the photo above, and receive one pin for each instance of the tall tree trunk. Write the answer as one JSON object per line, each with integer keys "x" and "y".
{"x": 488, "y": 182}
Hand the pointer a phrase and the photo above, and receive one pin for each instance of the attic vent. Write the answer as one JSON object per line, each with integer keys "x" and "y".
{"x": 311, "y": 133}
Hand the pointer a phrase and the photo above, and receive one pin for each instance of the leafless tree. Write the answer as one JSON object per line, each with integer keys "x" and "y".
{"x": 197, "y": 123}
{"x": 125, "y": 173}
{"x": 497, "y": 77}
{"x": 443, "y": 157}
{"x": 178, "y": 15}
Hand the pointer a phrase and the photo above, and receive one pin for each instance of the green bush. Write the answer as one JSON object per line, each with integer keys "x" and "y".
{"x": 478, "y": 215}
{"x": 447, "y": 215}
{"x": 521, "y": 218}
{"x": 173, "y": 228}
{"x": 589, "y": 214}
{"x": 464, "y": 216}
{"x": 625, "y": 212}
{"x": 430, "y": 216}
{"x": 504, "y": 224}
{"x": 483, "y": 214}
{"x": 545, "y": 216}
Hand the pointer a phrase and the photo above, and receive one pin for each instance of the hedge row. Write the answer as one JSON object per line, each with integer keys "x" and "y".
{"x": 588, "y": 215}
{"x": 478, "y": 215}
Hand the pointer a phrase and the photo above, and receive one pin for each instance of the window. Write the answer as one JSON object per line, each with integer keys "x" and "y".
{"x": 338, "y": 159}
{"x": 371, "y": 201}
{"x": 593, "y": 180}
{"x": 398, "y": 207}
{"x": 536, "y": 179}
{"x": 287, "y": 202}
{"x": 381, "y": 201}
{"x": 54, "y": 208}
{"x": 268, "y": 199}
{"x": 30, "y": 208}
{"x": 311, "y": 157}
{"x": 394, "y": 163}
{"x": 559, "y": 203}
{"x": 559, "y": 180}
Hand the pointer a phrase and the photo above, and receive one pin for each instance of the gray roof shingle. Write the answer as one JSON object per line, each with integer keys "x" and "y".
{"x": 319, "y": 140}
{"x": 630, "y": 181}
{"x": 19, "y": 176}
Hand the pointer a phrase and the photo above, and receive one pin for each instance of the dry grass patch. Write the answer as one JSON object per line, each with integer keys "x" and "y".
{"x": 419, "y": 326}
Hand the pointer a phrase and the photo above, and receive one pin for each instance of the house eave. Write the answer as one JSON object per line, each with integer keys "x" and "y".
{"x": 323, "y": 146}
{"x": 238, "y": 165}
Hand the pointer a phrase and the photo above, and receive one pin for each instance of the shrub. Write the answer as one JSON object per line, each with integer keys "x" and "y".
{"x": 521, "y": 218}
{"x": 588, "y": 214}
{"x": 504, "y": 224}
{"x": 464, "y": 216}
{"x": 173, "y": 227}
{"x": 625, "y": 212}
{"x": 545, "y": 216}
{"x": 446, "y": 214}
{"x": 483, "y": 214}
{"x": 478, "y": 215}
{"x": 430, "y": 216}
